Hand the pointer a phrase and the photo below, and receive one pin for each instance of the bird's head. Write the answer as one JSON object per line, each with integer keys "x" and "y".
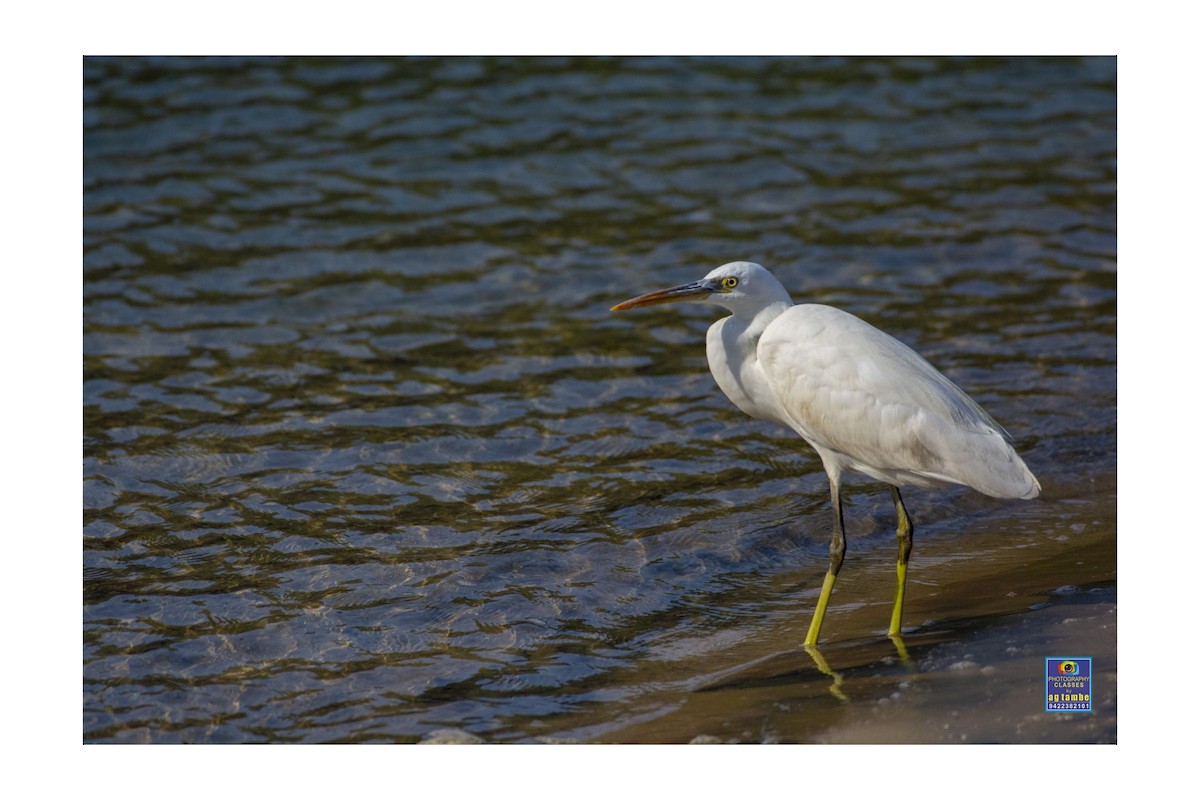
{"x": 742, "y": 287}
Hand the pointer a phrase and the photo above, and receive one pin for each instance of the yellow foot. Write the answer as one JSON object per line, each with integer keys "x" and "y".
{"x": 898, "y": 606}
{"x": 814, "y": 628}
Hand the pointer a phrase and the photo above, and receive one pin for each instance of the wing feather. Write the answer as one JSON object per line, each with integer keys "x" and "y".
{"x": 852, "y": 390}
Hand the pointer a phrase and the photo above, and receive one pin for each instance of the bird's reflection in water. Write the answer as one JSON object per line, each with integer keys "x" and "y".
{"x": 835, "y": 688}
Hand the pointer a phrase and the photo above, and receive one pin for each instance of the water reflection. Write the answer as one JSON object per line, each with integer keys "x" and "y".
{"x": 366, "y": 455}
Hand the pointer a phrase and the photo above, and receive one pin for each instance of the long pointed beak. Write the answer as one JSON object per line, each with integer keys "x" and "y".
{"x": 689, "y": 291}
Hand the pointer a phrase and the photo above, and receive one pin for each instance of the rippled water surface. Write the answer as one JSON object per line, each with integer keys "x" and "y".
{"x": 367, "y": 456}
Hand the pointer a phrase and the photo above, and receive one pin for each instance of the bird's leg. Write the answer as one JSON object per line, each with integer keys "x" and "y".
{"x": 837, "y": 550}
{"x": 904, "y": 537}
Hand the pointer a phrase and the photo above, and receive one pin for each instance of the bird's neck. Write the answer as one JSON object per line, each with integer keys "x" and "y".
{"x": 755, "y": 323}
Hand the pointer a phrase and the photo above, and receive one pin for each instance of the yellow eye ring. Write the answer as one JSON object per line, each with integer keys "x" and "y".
{"x": 728, "y": 283}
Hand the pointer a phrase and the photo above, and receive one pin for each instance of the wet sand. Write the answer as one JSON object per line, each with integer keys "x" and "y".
{"x": 994, "y": 608}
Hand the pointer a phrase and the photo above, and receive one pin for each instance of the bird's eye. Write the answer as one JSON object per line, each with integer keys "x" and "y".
{"x": 728, "y": 283}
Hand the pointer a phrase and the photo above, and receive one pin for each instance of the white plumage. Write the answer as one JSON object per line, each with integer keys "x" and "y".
{"x": 866, "y": 402}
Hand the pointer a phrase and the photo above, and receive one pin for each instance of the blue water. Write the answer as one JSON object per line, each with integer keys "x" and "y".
{"x": 367, "y": 456}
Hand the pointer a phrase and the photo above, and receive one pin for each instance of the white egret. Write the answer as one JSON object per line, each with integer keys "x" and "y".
{"x": 864, "y": 401}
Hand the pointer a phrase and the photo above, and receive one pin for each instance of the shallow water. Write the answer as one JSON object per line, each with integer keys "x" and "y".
{"x": 366, "y": 455}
